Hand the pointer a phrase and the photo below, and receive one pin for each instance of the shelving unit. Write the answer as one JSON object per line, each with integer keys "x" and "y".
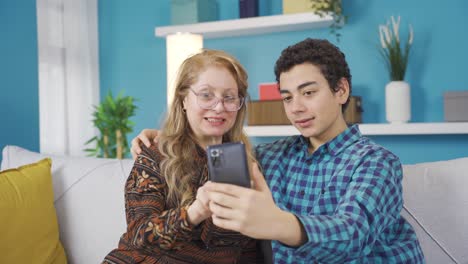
{"x": 296, "y": 22}
{"x": 443, "y": 128}
{"x": 250, "y": 26}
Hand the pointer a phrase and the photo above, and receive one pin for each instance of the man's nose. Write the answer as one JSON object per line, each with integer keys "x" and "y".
{"x": 297, "y": 105}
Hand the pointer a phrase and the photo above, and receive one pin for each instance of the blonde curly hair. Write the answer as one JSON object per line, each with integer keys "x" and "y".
{"x": 177, "y": 142}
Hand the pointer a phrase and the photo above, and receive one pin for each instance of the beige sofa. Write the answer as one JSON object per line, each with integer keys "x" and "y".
{"x": 89, "y": 199}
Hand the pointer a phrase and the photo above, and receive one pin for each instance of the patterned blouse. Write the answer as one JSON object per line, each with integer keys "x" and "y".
{"x": 158, "y": 233}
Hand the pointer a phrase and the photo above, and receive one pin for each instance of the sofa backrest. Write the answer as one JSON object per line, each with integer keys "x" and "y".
{"x": 89, "y": 200}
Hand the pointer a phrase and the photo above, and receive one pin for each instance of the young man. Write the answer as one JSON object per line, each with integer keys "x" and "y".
{"x": 329, "y": 195}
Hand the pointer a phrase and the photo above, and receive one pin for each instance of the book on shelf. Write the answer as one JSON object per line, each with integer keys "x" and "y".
{"x": 248, "y": 8}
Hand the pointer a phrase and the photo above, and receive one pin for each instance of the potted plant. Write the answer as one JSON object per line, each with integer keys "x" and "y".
{"x": 111, "y": 118}
{"x": 395, "y": 53}
{"x": 333, "y": 8}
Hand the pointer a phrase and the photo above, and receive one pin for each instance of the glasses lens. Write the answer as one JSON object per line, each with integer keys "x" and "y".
{"x": 207, "y": 100}
{"x": 233, "y": 104}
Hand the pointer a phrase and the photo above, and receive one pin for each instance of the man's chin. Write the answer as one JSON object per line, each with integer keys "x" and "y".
{"x": 306, "y": 132}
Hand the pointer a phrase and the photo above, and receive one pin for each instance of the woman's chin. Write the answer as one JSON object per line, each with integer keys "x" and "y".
{"x": 220, "y": 134}
{"x": 215, "y": 133}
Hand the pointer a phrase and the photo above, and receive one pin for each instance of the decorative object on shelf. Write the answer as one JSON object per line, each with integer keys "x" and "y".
{"x": 397, "y": 92}
{"x": 456, "y": 106}
{"x": 321, "y": 8}
{"x": 193, "y": 11}
{"x": 333, "y": 7}
{"x": 296, "y": 6}
{"x": 352, "y": 114}
{"x": 179, "y": 46}
{"x": 398, "y": 102}
{"x": 269, "y": 91}
{"x": 266, "y": 112}
{"x": 271, "y": 112}
{"x": 111, "y": 118}
{"x": 248, "y": 8}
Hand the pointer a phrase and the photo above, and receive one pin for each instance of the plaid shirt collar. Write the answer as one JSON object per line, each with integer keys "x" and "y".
{"x": 335, "y": 146}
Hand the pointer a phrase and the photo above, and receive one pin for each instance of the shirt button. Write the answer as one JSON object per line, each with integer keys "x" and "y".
{"x": 323, "y": 191}
{"x": 301, "y": 193}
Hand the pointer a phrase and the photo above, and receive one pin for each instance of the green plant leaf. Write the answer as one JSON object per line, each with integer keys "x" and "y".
{"x": 395, "y": 53}
{"x": 111, "y": 114}
{"x": 91, "y": 140}
{"x": 333, "y": 7}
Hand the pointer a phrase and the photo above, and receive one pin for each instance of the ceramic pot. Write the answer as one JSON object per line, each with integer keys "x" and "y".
{"x": 398, "y": 102}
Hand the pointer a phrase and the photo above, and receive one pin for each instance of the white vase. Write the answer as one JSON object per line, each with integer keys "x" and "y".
{"x": 397, "y": 102}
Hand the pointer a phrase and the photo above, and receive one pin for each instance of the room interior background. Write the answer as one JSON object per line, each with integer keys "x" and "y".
{"x": 133, "y": 59}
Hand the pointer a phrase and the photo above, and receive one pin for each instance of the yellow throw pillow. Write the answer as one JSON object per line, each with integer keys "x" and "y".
{"x": 28, "y": 221}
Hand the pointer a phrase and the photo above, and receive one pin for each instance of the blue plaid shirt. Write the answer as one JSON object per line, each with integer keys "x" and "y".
{"x": 348, "y": 196}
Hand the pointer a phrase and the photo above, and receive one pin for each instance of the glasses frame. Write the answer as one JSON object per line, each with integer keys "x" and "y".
{"x": 241, "y": 98}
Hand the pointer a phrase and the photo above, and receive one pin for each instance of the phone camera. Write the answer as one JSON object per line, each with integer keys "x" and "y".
{"x": 215, "y": 153}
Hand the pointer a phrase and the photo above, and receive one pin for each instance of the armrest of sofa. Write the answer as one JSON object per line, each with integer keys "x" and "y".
{"x": 89, "y": 200}
{"x": 436, "y": 204}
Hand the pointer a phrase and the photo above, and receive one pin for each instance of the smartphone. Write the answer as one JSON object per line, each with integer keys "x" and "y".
{"x": 227, "y": 163}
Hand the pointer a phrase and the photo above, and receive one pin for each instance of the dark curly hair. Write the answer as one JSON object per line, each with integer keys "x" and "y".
{"x": 321, "y": 53}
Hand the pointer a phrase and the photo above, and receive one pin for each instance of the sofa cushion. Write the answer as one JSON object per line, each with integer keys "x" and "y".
{"x": 436, "y": 204}
{"x": 28, "y": 222}
{"x": 89, "y": 199}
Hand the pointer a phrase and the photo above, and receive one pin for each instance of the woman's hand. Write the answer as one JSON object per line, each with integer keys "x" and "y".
{"x": 145, "y": 136}
{"x": 199, "y": 210}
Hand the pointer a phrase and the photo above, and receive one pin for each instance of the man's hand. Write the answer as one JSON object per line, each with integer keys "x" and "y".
{"x": 199, "y": 210}
{"x": 145, "y": 136}
{"x": 251, "y": 212}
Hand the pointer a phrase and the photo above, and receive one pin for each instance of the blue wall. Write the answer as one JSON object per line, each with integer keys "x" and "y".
{"x": 19, "y": 103}
{"x": 131, "y": 57}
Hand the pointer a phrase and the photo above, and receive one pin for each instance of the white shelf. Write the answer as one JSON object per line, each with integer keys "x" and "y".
{"x": 444, "y": 128}
{"x": 250, "y": 26}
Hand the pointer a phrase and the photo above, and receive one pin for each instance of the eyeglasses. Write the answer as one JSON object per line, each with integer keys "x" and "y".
{"x": 208, "y": 101}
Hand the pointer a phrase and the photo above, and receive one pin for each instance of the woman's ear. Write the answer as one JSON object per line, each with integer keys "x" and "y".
{"x": 184, "y": 107}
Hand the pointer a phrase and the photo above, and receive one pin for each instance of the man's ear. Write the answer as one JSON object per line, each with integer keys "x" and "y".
{"x": 342, "y": 93}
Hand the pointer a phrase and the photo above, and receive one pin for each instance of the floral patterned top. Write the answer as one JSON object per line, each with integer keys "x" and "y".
{"x": 158, "y": 233}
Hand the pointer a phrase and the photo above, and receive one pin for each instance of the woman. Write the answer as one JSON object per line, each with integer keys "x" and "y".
{"x": 167, "y": 211}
